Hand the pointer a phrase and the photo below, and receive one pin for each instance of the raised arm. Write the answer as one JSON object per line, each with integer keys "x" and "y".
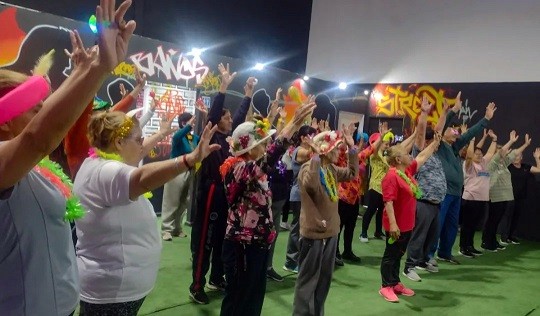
{"x": 513, "y": 138}
{"x": 476, "y": 128}
{"x": 526, "y": 144}
{"x": 421, "y": 125}
{"x": 214, "y": 115}
{"x": 153, "y": 175}
{"x": 409, "y": 142}
{"x": 424, "y": 155}
{"x": 482, "y": 141}
{"x": 345, "y": 174}
{"x": 240, "y": 114}
{"x": 536, "y": 155}
{"x": 492, "y": 148}
{"x": 127, "y": 100}
{"x": 453, "y": 112}
{"x": 165, "y": 130}
{"x": 49, "y": 126}
{"x": 442, "y": 118}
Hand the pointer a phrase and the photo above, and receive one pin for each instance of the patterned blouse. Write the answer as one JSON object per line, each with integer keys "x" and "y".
{"x": 350, "y": 191}
{"x": 250, "y": 198}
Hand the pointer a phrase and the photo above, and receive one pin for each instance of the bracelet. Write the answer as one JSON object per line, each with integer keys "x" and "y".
{"x": 184, "y": 160}
{"x": 176, "y": 165}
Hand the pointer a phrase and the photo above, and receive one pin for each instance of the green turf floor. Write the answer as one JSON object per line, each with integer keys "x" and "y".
{"x": 504, "y": 283}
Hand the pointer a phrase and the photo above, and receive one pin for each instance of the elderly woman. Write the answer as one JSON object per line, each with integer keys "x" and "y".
{"x": 250, "y": 229}
{"x": 38, "y": 273}
{"x": 400, "y": 191}
{"x": 118, "y": 244}
{"x": 319, "y": 219}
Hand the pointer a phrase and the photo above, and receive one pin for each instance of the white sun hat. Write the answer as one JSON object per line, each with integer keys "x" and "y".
{"x": 248, "y": 135}
{"x": 326, "y": 141}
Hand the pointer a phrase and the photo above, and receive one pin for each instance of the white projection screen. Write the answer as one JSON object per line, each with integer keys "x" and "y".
{"x": 394, "y": 41}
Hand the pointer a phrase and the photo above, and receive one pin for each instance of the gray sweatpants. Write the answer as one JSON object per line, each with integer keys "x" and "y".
{"x": 316, "y": 266}
{"x": 176, "y": 200}
{"x": 424, "y": 234}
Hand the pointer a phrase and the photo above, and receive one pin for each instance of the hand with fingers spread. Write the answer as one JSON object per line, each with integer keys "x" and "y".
{"x": 299, "y": 117}
{"x": 80, "y": 56}
{"x": 201, "y": 107}
{"x": 123, "y": 92}
{"x": 347, "y": 134}
{"x": 513, "y": 136}
{"x": 165, "y": 125}
{"x": 274, "y": 107}
{"x": 205, "y": 148}
{"x": 536, "y": 154}
{"x": 226, "y": 77}
{"x": 492, "y": 135}
{"x": 114, "y": 33}
{"x": 457, "y": 106}
{"x": 314, "y": 123}
{"x": 528, "y": 140}
{"x": 425, "y": 106}
{"x": 490, "y": 110}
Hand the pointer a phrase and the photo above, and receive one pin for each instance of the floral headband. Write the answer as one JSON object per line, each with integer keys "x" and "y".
{"x": 23, "y": 98}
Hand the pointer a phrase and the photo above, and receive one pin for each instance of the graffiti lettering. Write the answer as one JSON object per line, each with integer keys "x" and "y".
{"x": 125, "y": 69}
{"x": 465, "y": 113}
{"x": 162, "y": 62}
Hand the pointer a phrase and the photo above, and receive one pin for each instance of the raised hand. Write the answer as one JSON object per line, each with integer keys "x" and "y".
{"x": 383, "y": 128}
{"x": 490, "y": 110}
{"x": 204, "y": 148}
{"x": 282, "y": 113}
{"x": 192, "y": 120}
{"x": 200, "y": 106}
{"x": 425, "y": 106}
{"x": 140, "y": 79}
{"x": 347, "y": 134}
{"x": 226, "y": 77}
{"x": 114, "y": 33}
{"x": 446, "y": 106}
{"x": 513, "y": 136}
{"x": 314, "y": 123}
{"x": 536, "y": 154}
{"x": 165, "y": 125}
{"x": 463, "y": 129}
{"x": 527, "y": 140}
{"x": 274, "y": 107}
{"x": 80, "y": 56}
{"x": 249, "y": 88}
{"x": 457, "y": 105}
{"x": 123, "y": 91}
{"x": 492, "y": 135}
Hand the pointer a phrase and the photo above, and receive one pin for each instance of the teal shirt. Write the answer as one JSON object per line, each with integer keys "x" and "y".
{"x": 449, "y": 155}
{"x": 181, "y": 145}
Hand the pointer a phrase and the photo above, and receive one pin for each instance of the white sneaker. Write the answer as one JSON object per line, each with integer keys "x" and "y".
{"x": 166, "y": 236}
{"x": 364, "y": 239}
{"x": 431, "y": 268}
{"x": 285, "y": 225}
{"x": 504, "y": 243}
{"x": 433, "y": 262}
{"x": 412, "y": 275}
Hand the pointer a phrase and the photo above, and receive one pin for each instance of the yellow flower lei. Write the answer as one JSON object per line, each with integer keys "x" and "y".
{"x": 329, "y": 183}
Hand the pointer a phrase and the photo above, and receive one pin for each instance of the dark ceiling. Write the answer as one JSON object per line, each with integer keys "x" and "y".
{"x": 256, "y": 30}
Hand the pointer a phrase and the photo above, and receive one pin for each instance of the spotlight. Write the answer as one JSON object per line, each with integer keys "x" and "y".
{"x": 366, "y": 92}
{"x": 306, "y": 78}
{"x": 259, "y": 66}
{"x": 342, "y": 85}
{"x": 196, "y": 52}
{"x": 377, "y": 96}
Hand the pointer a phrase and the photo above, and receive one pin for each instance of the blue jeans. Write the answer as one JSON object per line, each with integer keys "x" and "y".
{"x": 448, "y": 225}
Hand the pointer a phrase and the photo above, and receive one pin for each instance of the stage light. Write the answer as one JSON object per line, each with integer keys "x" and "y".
{"x": 377, "y": 96}
{"x": 92, "y": 23}
{"x": 366, "y": 92}
{"x": 342, "y": 85}
{"x": 306, "y": 78}
{"x": 196, "y": 52}
{"x": 259, "y": 66}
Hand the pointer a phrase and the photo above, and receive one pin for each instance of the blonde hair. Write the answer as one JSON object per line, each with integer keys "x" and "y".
{"x": 10, "y": 79}
{"x": 392, "y": 153}
{"x": 104, "y": 127}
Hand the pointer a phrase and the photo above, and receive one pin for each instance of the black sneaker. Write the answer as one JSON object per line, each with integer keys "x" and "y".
{"x": 216, "y": 286}
{"x": 272, "y": 274}
{"x": 349, "y": 256}
{"x": 452, "y": 259}
{"x": 199, "y": 297}
{"x": 466, "y": 253}
{"x": 475, "y": 252}
{"x": 379, "y": 236}
{"x": 500, "y": 247}
{"x": 514, "y": 240}
{"x": 339, "y": 262}
{"x": 488, "y": 248}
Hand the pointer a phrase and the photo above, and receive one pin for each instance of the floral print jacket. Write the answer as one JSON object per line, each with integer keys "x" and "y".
{"x": 350, "y": 191}
{"x": 249, "y": 197}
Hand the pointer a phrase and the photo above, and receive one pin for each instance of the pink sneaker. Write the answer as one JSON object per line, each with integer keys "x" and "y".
{"x": 388, "y": 294}
{"x": 401, "y": 289}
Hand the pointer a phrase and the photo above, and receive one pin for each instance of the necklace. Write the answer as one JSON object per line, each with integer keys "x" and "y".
{"x": 329, "y": 183}
{"x": 414, "y": 187}
{"x": 53, "y": 172}
{"x": 96, "y": 153}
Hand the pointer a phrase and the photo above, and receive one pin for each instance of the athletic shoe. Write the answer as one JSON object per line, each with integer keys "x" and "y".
{"x": 379, "y": 236}
{"x": 421, "y": 266}
{"x": 364, "y": 239}
{"x": 500, "y": 247}
{"x": 388, "y": 294}
{"x": 504, "y": 242}
{"x": 272, "y": 274}
{"x": 466, "y": 253}
{"x": 166, "y": 236}
{"x": 216, "y": 286}
{"x": 350, "y": 257}
{"x": 514, "y": 240}
{"x": 401, "y": 289}
{"x": 431, "y": 268}
{"x": 412, "y": 275}
{"x": 433, "y": 262}
{"x": 290, "y": 269}
{"x": 452, "y": 259}
{"x": 199, "y": 297}
{"x": 339, "y": 262}
{"x": 475, "y": 252}
{"x": 285, "y": 226}
{"x": 487, "y": 248}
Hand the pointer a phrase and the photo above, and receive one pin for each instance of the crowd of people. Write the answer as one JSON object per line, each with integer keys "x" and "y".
{"x": 247, "y": 170}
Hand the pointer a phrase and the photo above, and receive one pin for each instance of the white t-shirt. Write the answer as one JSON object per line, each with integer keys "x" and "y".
{"x": 119, "y": 244}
